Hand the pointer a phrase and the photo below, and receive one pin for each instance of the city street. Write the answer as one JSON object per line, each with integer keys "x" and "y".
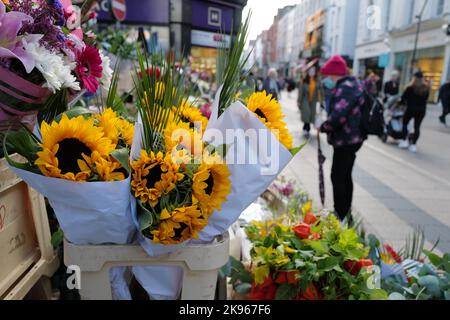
{"x": 395, "y": 190}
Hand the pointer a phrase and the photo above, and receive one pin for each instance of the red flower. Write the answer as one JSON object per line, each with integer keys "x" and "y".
{"x": 89, "y": 68}
{"x": 310, "y": 218}
{"x": 354, "y": 267}
{"x": 302, "y": 231}
{"x": 311, "y": 294}
{"x": 392, "y": 253}
{"x": 287, "y": 277}
{"x": 150, "y": 73}
{"x": 315, "y": 236}
{"x": 265, "y": 291}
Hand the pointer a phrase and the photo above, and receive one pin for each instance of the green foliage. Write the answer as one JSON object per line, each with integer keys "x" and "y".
{"x": 230, "y": 66}
{"x": 117, "y": 42}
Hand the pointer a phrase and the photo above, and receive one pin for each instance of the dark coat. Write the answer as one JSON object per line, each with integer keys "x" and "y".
{"x": 343, "y": 125}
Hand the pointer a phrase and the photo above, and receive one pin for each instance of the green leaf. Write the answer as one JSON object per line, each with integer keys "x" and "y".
{"x": 74, "y": 112}
{"x": 328, "y": 264}
{"x": 294, "y": 151}
{"x": 434, "y": 258}
{"x": 57, "y": 238}
{"x": 261, "y": 274}
{"x": 320, "y": 247}
{"x": 286, "y": 292}
{"x": 122, "y": 155}
{"x": 243, "y": 288}
{"x": 146, "y": 218}
{"x": 432, "y": 285}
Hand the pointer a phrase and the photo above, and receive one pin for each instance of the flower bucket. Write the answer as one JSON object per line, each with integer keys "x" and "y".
{"x": 20, "y": 100}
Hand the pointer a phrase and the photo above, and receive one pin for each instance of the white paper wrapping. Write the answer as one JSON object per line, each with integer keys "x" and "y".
{"x": 249, "y": 180}
{"x": 90, "y": 213}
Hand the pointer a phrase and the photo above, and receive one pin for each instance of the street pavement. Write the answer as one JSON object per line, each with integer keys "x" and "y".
{"x": 396, "y": 191}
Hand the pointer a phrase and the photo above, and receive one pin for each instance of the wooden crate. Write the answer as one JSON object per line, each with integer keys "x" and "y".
{"x": 25, "y": 242}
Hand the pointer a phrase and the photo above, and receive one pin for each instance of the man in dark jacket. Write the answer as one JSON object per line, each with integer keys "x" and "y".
{"x": 444, "y": 98}
{"x": 343, "y": 127}
{"x": 392, "y": 87}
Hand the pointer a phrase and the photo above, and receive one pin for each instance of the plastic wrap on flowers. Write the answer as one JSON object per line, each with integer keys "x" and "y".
{"x": 20, "y": 100}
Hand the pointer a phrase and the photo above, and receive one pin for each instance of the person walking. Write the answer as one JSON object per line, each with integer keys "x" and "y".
{"x": 309, "y": 94}
{"x": 392, "y": 87}
{"x": 271, "y": 84}
{"x": 415, "y": 98}
{"x": 343, "y": 128}
{"x": 444, "y": 98}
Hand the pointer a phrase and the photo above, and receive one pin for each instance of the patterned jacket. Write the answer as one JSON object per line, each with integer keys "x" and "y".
{"x": 343, "y": 125}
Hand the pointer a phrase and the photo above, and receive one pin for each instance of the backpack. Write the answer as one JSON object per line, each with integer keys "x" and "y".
{"x": 372, "y": 116}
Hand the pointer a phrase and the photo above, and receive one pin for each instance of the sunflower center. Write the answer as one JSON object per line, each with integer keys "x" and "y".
{"x": 70, "y": 150}
{"x": 179, "y": 231}
{"x": 186, "y": 120}
{"x": 260, "y": 114}
{"x": 210, "y": 184}
{"x": 154, "y": 176}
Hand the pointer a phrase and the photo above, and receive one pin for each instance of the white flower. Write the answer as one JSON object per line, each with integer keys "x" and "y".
{"x": 54, "y": 69}
{"x": 107, "y": 72}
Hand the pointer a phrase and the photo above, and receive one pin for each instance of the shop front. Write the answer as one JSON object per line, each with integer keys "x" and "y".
{"x": 373, "y": 57}
{"x": 150, "y": 18}
{"x": 430, "y": 57}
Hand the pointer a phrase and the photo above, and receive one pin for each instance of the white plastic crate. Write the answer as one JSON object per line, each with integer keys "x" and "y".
{"x": 201, "y": 264}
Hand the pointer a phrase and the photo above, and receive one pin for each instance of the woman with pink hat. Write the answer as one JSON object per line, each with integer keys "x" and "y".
{"x": 343, "y": 128}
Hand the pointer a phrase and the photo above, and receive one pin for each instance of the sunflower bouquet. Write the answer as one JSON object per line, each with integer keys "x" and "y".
{"x": 80, "y": 162}
{"x": 177, "y": 180}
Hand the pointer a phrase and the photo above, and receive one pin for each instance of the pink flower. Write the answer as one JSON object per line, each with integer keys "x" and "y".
{"x": 11, "y": 45}
{"x": 89, "y": 68}
{"x": 206, "y": 110}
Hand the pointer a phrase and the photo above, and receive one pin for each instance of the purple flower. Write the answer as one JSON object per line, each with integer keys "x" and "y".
{"x": 11, "y": 45}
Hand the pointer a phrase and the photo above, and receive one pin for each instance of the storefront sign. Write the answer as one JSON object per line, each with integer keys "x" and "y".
{"x": 137, "y": 11}
{"x": 212, "y": 16}
{"x": 371, "y": 50}
{"x": 209, "y": 39}
{"x": 427, "y": 39}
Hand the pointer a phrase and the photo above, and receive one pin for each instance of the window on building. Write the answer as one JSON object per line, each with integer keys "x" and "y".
{"x": 440, "y": 7}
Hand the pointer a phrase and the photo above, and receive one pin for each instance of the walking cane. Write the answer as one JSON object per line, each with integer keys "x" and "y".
{"x": 321, "y": 160}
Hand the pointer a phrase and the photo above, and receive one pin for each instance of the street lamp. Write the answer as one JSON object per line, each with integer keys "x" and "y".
{"x": 419, "y": 25}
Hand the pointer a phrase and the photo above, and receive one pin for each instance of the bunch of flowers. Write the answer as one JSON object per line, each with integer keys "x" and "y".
{"x": 178, "y": 181}
{"x": 45, "y": 53}
{"x": 318, "y": 259}
{"x": 82, "y": 148}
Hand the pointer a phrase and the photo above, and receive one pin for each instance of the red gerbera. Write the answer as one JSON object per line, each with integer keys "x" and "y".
{"x": 89, "y": 68}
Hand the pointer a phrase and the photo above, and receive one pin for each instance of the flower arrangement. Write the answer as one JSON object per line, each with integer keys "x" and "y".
{"x": 45, "y": 58}
{"x": 319, "y": 259}
{"x": 177, "y": 180}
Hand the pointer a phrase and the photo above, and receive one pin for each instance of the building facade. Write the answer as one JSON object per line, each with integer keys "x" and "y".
{"x": 387, "y": 34}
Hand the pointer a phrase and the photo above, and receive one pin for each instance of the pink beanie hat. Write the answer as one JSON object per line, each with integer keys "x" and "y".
{"x": 336, "y": 66}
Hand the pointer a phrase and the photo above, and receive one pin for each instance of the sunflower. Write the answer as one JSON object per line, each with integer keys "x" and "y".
{"x": 115, "y": 127}
{"x": 181, "y": 137}
{"x": 211, "y": 184}
{"x": 193, "y": 116}
{"x": 109, "y": 122}
{"x": 107, "y": 168}
{"x": 65, "y": 143}
{"x": 179, "y": 225}
{"x": 154, "y": 175}
{"x": 268, "y": 110}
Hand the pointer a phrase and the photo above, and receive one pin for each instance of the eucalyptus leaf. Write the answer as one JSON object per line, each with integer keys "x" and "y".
{"x": 243, "y": 288}
{"x": 286, "y": 292}
{"x": 74, "y": 113}
{"x": 146, "y": 218}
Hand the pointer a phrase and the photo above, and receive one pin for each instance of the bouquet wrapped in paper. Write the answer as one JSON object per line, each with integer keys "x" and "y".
{"x": 80, "y": 162}
{"x": 46, "y": 59}
{"x": 256, "y": 147}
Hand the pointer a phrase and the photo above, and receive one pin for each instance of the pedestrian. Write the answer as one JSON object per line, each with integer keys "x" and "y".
{"x": 392, "y": 87}
{"x": 444, "y": 98}
{"x": 343, "y": 128}
{"x": 372, "y": 83}
{"x": 415, "y": 98}
{"x": 309, "y": 94}
{"x": 271, "y": 84}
